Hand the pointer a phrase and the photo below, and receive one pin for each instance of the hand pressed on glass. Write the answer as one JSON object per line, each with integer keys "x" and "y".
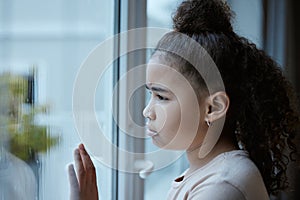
{"x": 83, "y": 186}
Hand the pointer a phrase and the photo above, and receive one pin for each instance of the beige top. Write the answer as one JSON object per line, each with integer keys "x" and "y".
{"x": 229, "y": 176}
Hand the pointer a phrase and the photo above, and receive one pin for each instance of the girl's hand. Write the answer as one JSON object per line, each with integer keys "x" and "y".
{"x": 84, "y": 185}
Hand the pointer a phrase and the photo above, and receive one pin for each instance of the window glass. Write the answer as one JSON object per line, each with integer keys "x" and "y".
{"x": 248, "y": 19}
{"x": 42, "y": 45}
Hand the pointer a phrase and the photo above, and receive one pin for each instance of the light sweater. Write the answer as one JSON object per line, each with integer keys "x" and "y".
{"x": 229, "y": 176}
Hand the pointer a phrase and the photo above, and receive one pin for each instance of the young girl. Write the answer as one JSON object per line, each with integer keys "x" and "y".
{"x": 245, "y": 161}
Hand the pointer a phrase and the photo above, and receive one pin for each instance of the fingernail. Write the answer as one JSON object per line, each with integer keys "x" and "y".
{"x": 77, "y": 151}
{"x": 81, "y": 146}
{"x": 69, "y": 166}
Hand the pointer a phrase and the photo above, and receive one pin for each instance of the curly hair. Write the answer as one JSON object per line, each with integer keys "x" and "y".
{"x": 262, "y": 116}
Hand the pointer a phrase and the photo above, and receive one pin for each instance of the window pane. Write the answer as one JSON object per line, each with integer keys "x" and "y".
{"x": 42, "y": 45}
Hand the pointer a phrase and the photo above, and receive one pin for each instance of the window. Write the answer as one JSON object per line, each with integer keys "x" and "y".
{"x": 46, "y": 40}
{"x": 43, "y": 46}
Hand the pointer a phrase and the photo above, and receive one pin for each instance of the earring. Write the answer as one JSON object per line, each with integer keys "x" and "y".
{"x": 208, "y": 123}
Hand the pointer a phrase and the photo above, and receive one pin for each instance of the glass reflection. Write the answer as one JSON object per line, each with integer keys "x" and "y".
{"x": 21, "y": 138}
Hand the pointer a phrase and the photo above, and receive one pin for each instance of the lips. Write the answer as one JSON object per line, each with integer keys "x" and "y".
{"x": 150, "y": 131}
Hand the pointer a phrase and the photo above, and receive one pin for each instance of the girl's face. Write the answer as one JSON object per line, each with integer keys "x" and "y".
{"x": 175, "y": 117}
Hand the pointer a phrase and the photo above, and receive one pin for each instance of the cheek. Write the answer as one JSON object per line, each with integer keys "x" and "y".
{"x": 188, "y": 124}
{"x": 170, "y": 120}
{"x": 190, "y": 116}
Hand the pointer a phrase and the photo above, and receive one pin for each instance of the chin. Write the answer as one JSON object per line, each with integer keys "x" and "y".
{"x": 166, "y": 146}
{"x": 156, "y": 143}
{"x": 159, "y": 144}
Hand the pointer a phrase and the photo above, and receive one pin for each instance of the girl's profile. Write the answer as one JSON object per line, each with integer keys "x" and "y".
{"x": 251, "y": 155}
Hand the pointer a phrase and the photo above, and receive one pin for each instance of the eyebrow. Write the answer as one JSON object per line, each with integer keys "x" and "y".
{"x": 156, "y": 89}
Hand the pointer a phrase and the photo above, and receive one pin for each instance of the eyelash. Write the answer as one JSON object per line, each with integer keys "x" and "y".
{"x": 160, "y": 98}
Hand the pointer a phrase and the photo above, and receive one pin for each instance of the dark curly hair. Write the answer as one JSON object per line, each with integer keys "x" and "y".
{"x": 262, "y": 115}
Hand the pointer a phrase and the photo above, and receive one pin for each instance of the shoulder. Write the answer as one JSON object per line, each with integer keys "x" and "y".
{"x": 234, "y": 176}
{"x": 231, "y": 175}
{"x": 241, "y": 172}
{"x": 238, "y": 166}
{"x": 217, "y": 191}
{"x": 232, "y": 167}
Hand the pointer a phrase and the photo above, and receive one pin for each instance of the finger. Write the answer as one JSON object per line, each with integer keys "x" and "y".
{"x": 87, "y": 163}
{"x": 79, "y": 166}
{"x": 74, "y": 187}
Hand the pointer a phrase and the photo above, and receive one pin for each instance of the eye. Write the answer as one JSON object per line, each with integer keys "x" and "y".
{"x": 157, "y": 96}
{"x": 161, "y": 98}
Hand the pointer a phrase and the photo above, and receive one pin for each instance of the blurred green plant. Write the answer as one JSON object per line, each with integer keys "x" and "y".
{"x": 26, "y": 137}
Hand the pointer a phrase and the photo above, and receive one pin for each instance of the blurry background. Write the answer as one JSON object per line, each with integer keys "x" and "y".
{"x": 43, "y": 44}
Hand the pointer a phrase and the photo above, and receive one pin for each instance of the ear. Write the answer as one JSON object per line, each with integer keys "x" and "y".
{"x": 217, "y": 106}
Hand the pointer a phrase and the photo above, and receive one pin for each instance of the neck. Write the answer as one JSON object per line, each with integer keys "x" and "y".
{"x": 223, "y": 145}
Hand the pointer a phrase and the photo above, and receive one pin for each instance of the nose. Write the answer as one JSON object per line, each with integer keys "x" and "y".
{"x": 149, "y": 112}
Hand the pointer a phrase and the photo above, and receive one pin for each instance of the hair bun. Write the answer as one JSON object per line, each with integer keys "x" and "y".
{"x": 197, "y": 16}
